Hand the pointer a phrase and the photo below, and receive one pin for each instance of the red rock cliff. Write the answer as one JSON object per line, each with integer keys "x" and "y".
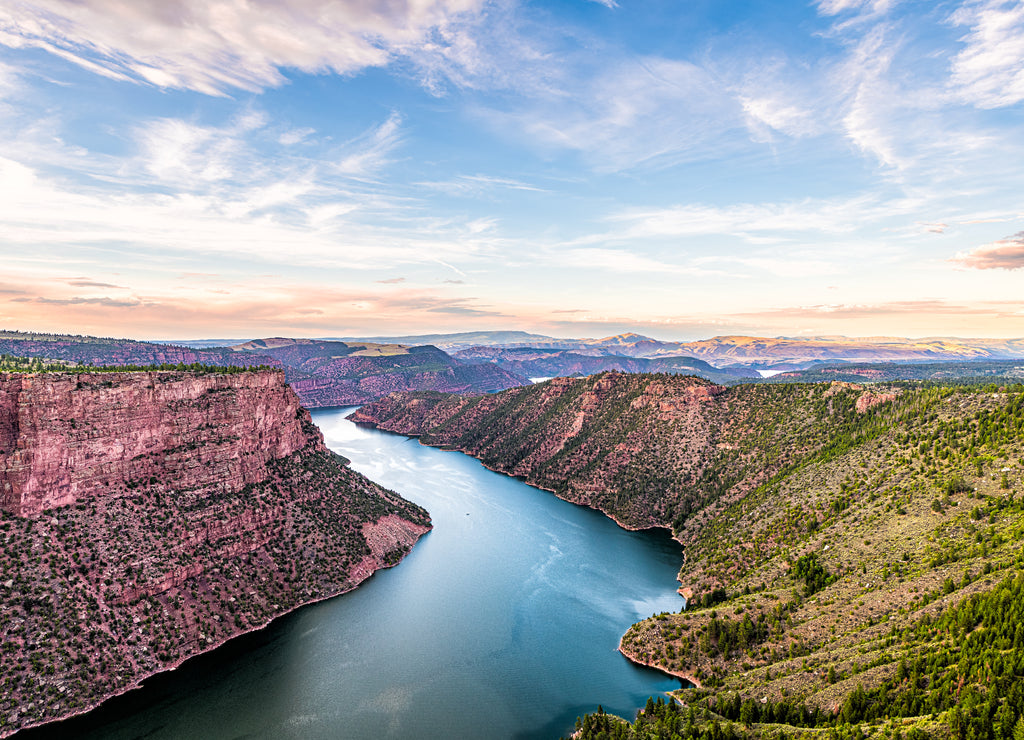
{"x": 63, "y": 437}
{"x": 146, "y": 517}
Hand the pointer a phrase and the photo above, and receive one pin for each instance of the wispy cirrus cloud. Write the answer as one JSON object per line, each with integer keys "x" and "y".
{"x": 632, "y": 113}
{"x": 479, "y": 185}
{"x": 372, "y": 149}
{"x": 870, "y": 310}
{"x": 214, "y": 46}
{"x": 467, "y": 311}
{"x": 989, "y": 71}
{"x": 302, "y": 308}
{"x": 275, "y": 221}
{"x": 745, "y": 220}
{"x": 179, "y": 152}
{"x": 835, "y": 7}
{"x": 1002, "y": 254}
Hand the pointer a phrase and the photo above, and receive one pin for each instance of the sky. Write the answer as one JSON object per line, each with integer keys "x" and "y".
{"x": 246, "y": 168}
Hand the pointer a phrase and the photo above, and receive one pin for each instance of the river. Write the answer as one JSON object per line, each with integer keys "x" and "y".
{"x": 502, "y": 622}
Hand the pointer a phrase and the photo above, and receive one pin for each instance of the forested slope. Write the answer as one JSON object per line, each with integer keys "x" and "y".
{"x": 855, "y": 554}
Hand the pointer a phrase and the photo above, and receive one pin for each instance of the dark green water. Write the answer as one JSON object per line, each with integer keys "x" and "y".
{"x": 502, "y": 623}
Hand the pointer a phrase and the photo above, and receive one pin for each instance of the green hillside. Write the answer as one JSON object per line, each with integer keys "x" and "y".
{"x": 855, "y": 555}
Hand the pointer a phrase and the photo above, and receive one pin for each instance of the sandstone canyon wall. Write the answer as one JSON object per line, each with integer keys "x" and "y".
{"x": 67, "y": 436}
{"x": 146, "y": 517}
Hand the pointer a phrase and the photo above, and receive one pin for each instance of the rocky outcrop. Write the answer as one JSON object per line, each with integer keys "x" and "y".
{"x": 150, "y": 516}
{"x": 868, "y": 400}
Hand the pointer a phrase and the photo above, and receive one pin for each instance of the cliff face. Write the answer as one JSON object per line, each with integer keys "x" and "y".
{"x": 147, "y": 517}
{"x": 68, "y": 436}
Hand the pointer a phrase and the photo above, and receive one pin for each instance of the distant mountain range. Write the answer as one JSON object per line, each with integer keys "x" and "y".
{"x": 534, "y": 362}
{"x": 756, "y": 352}
{"x": 351, "y": 371}
{"x": 323, "y": 373}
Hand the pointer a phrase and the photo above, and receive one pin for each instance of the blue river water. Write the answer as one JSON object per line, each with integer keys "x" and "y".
{"x": 503, "y": 622}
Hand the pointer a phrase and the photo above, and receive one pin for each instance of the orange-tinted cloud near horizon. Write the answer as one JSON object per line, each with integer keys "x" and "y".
{"x": 1003, "y": 254}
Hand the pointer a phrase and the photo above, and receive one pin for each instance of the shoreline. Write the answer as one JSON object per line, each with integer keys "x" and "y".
{"x": 138, "y": 683}
{"x": 419, "y": 438}
{"x": 682, "y": 676}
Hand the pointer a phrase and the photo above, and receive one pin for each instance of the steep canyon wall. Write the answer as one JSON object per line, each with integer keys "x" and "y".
{"x": 149, "y": 516}
{"x": 63, "y": 437}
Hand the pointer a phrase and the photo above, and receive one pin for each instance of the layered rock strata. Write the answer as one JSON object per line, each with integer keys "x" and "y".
{"x": 65, "y": 436}
{"x": 147, "y": 517}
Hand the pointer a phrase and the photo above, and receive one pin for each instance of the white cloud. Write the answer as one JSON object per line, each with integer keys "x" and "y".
{"x": 620, "y": 261}
{"x": 1002, "y": 254}
{"x": 295, "y": 136}
{"x": 636, "y": 112}
{"x": 835, "y": 7}
{"x": 195, "y": 190}
{"x": 872, "y": 102}
{"x": 786, "y": 117}
{"x": 478, "y": 186}
{"x": 212, "y": 46}
{"x": 176, "y": 151}
{"x": 989, "y": 71}
{"x": 9, "y": 84}
{"x": 749, "y": 220}
{"x": 371, "y": 150}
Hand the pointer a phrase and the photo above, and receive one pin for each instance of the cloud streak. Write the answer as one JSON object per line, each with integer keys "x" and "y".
{"x": 214, "y": 46}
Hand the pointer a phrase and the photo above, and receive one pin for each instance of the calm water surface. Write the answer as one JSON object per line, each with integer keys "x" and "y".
{"x": 503, "y": 622}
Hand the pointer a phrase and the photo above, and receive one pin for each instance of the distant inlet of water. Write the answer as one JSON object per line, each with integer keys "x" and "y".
{"x": 503, "y": 622}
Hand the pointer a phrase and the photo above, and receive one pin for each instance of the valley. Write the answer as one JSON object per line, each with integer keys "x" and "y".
{"x": 824, "y": 526}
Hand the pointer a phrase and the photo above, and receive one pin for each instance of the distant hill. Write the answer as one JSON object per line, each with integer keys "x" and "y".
{"x": 470, "y": 338}
{"x": 761, "y": 350}
{"x": 537, "y": 362}
{"x": 200, "y": 343}
{"x": 112, "y": 351}
{"x": 323, "y": 373}
{"x": 333, "y": 373}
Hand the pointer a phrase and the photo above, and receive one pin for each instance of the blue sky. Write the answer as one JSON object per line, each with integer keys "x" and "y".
{"x": 580, "y": 168}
